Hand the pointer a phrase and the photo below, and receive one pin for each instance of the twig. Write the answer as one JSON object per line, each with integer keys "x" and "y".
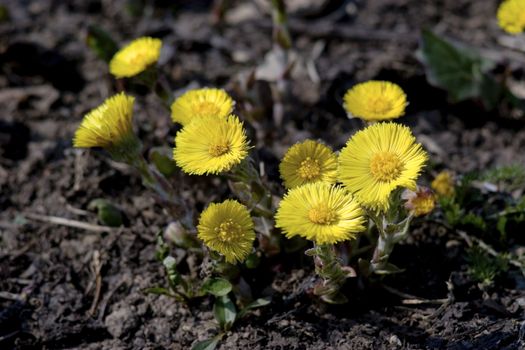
{"x": 97, "y": 267}
{"x": 68, "y": 222}
{"x": 80, "y": 166}
{"x": 77, "y": 211}
{"x": 104, "y": 303}
{"x": 9, "y": 335}
{"x": 409, "y": 299}
{"x": 13, "y": 296}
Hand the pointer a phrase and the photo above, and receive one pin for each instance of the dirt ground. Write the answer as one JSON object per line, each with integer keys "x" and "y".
{"x": 49, "y": 79}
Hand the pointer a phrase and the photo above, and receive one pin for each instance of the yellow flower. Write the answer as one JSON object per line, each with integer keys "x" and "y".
{"x": 419, "y": 203}
{"x": 511, "y": 16}
{"x": 135, "y": 57}
{"x": 227, "y": 228}
{"x": 201, "y": 103}
{"x": 210, "y": 145}
{"x": 443, "y": 184}
{"x": 307, "y": 162}
{"x": 377, "y": 160}
{"x": 109, "y": 126}
{"x": 375, "y": 101}
{"x": 320, "y": 212}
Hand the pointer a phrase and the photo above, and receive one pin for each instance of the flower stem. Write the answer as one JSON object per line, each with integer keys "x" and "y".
{"x": 333, "y": 274}
{"x": 389, "y": 235}
{"x": 248, "y": 186}
{"x": 281, "y": 34}
{"x": 155, "y": 181}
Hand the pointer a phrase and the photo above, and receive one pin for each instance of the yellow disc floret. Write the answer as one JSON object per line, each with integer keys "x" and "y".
{"x": 199, "y": 103}
{"x": 385, "y": 166}
{"x": 320, "y": 212}
{"x": 307, "y": 162}
{"x": 511, "y": 16}
{"x": 377, "y": 160}
{"x": 227, "y": 228}
{"x": 135, "y": 57}
{"x": 210, "y": 145}
{"x": 375, "y": 101}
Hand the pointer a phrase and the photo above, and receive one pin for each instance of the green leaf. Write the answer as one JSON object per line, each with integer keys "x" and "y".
{"x": 252, "y": 261}
{"x": 162, "y": 248}
{"x": 217, "y": 286}
{"x": 458, "y": 70}
{"x": 101, "y": 43}
{"x": 108, "y": 214}
{"x": 174, "y": 278}
{"x": 208, "y": 344}
{"x": 388, "y": 269}
{"x": 162, "y": 158}
{"x": 254, "y": 305}
{"x": 225, "y": 312}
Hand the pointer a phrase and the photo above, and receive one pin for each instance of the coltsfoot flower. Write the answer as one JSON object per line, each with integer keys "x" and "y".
{"x": 511, "y": 16}
{"x": 135, "y": 57}
{"x": 377, "y": 160}
{"x": 109, "y": 126}
{"x": 199, "y": 103}
{"x": 306, "y": 162}
{"x": 419, "y": 202}
{"x": 227, "y": 228}
{"x": 320, "y": 212}
{"x": 443, "y": 184}
{"x": 375, "y": 100}
{"x": 210, "y": 145}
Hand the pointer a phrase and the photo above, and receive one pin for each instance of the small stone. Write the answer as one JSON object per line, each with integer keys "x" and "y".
{"x": 394, "y": 340}
{"x": 121, "y": 321}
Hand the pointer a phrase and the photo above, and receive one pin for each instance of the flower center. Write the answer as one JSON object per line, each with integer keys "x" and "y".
{"x": 228, "y": 231}
{"x": 322, "y": 215}
{"x": 309, "y": 169}
{"x": 385, "y": 166}
{"x": 218, "y": 150}
{"x": 379, "y": 105}
{"x": 206, "y": 108}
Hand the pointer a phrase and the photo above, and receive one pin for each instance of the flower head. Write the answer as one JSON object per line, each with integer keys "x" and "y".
{"x": 377, "y": 160}
{"x": 199, "y": 103}
{"x": 320, "y": 212}
{"x": 227, "y": 228}
{"x": 109, "y": 126}
{"x": 375, "y": 100}
{"x": 306, "y": 162}
{"x": 210, "y": 145}
{"x": 443, "y": 184}
{"x": 511, "y": 16}
{"x": 419, "y": 202}
{"x": 135, "y": 57}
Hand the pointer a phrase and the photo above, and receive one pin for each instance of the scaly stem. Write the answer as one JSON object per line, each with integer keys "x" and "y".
{"x": 248, "y": 186}
{"x": 389, "y": 235}
{"x": 328, "y": 267}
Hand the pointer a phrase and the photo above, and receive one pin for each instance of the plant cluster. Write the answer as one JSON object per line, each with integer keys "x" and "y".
{"x": 362, "y": 197}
